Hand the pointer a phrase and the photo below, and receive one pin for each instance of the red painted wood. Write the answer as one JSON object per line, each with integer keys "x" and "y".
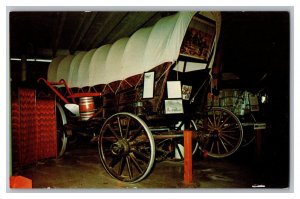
{"x": 188, "y": 170}
{"x": 78, "y": 95}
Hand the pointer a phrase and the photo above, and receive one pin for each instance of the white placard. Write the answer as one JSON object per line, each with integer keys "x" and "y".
{"x": 174, "y": 89}
{"x": 148, "y": 85}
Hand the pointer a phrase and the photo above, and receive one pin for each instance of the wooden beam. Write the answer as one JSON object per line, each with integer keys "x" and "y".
{"x": 61, "y": 17}
{"x": 77, "y": 32}
{"x": 83, "y": 27}
{"x": 128, "y": 25}
{"x": 110, "y": 20}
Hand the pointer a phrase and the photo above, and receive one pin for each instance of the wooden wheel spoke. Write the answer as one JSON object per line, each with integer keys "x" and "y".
{"x": 114, "y": 161}
{"x": 222, "y": 138}
{"x": 229, "y": 131}
{"x": 109, "y": 139}
{"x": 120, "y": 127}
{"x": 210, "y": 127}
{"x": 232, "y": 125}
{"x": 224, "y": 146}
{"x": 129, "y": 167}
{"x": 228, "y": 136}
{"x": 127, "y": 128}
{"x": 121, "y": 166}
{"x": 212, "y": 147}
{"x": 224, "y": 122}
{"x": 134, "y": 133}
{"x": 113, "y": 132}
{"x": 219, "y": 121}
{"x": 211, "y": 123}
{"x": 135, "y": 163}
{"x": 200, "y": 126}
{"x": 218, "y": 147}
{"x": 141, "y": 155}
{"x": 214, "y": 118}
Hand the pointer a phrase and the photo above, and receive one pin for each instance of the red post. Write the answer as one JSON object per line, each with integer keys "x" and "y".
{"x": 188, "y": 170}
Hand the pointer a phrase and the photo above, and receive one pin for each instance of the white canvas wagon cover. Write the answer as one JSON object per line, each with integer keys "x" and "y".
{"x": 144, "y": 50}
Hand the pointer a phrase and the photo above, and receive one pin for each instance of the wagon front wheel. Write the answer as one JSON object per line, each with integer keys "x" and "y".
{"x": 126, "y": 147}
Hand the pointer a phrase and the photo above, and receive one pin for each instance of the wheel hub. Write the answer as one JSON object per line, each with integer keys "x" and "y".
{"x": 120, "y": 147}
{"x": 215, "y": 133}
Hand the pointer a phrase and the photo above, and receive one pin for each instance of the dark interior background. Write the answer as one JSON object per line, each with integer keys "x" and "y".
{"x": 255, "y": 43}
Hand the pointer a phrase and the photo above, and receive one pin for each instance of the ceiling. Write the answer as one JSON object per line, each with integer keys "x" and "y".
{"x": 48, "y": 34}
{"x": 44, "y": 34}
{"x": 252, "y": 43}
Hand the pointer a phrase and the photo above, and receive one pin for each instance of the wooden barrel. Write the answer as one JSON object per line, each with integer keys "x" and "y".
{"x": 86, "y": 107}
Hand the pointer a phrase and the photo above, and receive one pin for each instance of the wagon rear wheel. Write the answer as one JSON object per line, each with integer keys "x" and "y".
{"x": 248, "y": 121}
{"x": 222, "y": 132}
{"x": 126, "y": 147}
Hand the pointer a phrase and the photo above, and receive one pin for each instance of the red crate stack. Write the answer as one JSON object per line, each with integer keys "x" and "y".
{"x": 27, "y": 126}
{"x": 46, "y": 128}
{"x": 33, "y": 128}
{"x": 15, "y": 127}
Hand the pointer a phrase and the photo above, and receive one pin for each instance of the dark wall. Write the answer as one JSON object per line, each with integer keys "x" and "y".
{"x": 34, "y": 70}
{"x": 255, "y": 43}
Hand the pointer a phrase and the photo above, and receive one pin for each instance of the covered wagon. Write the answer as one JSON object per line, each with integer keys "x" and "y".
{"x": 137, "y": 95}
